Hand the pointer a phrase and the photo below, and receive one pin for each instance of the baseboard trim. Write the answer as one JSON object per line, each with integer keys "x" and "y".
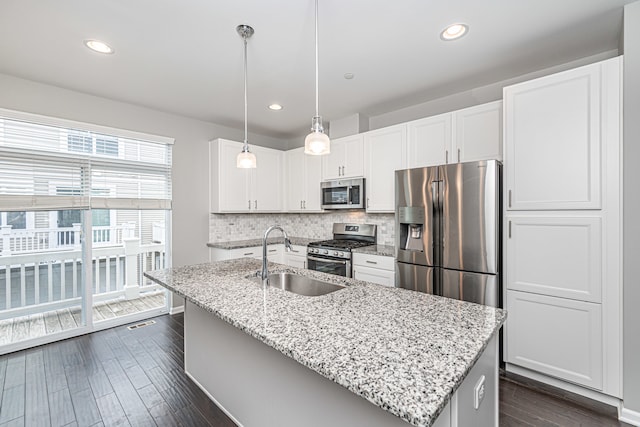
{"x": 582, "y": 391}
{"x": 630, "y": 417}
{"x": 176, "y": 310}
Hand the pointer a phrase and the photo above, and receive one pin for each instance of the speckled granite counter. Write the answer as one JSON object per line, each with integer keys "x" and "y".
{"x": 383, "y": 250}
{"x": 404, "y": 351}
{"x": 236, "y": 244}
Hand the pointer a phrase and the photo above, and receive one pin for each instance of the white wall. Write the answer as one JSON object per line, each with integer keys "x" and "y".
{"x": 631, "y": 209}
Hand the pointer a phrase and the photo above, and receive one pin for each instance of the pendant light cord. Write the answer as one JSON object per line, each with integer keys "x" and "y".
{"x": 317, "y": 109}
{"x": 246, "y": 138}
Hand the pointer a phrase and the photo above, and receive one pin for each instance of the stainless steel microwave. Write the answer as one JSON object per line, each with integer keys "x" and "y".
{"x": 343, "y": 194}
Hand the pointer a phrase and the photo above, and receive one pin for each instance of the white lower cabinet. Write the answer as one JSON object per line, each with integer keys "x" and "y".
{"x": 556, "y": 336}
{"x": 275, "y": 253}
{"x": 297, "y": 256}
{"x": 374, "y": 268}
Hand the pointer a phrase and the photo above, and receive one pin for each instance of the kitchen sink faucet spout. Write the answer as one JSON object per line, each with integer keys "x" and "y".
{"x": 287, "y": 244}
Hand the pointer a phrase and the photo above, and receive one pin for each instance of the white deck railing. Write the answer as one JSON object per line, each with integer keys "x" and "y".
{"x": 52, "y": 279}
{"x": 17, "y": 241}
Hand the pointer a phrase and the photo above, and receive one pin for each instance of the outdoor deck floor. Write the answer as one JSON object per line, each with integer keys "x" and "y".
{"x": 37, "y": 325}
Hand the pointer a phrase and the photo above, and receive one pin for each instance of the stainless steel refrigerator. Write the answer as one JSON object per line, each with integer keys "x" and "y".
{"x": 448, "y": 230}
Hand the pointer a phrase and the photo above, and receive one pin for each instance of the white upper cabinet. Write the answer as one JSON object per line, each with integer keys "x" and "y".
{"x": 429, "y": 141}
{"x": 244, "y": 190}
{"x": 384, "y": 153}
{"x": 466, "y": 135}
{"x": 553, "y": 138}
{"x": 303, "y": 181}
{"x": 478, "y": 133}
{"x": 345, "y": 159}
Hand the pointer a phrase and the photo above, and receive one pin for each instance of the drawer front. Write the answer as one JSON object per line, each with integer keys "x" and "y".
{"x": 374, "y": 275}
{"x": 374, "y": 261}
{"x": 253, "y": 252}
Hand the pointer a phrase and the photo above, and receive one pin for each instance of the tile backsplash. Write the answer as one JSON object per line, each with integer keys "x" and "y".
{"x": 224, "y": 227}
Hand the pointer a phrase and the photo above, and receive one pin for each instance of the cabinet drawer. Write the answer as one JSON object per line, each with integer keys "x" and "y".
{"x": 374, "y": 261}
{"x": 557, "y": 256}
{"x": 252, "y": 252}
{"x": 556, "y": 336}
{"x": 374, "y": 275}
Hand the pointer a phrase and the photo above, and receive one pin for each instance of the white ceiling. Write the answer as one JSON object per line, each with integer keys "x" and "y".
{"x": 185, "y": 57}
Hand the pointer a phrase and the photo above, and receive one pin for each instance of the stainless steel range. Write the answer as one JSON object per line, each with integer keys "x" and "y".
{"x": 334, "y": 256}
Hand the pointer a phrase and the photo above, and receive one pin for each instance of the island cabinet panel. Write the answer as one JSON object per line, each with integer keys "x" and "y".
{"x": 556, "y": 336}
{"x": 384, "y": 153}
{"x": 556, "y": 256}
{"x": 257, "y": 386}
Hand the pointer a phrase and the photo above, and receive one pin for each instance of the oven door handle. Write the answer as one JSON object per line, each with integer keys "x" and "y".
{"x": 333, "y": 261}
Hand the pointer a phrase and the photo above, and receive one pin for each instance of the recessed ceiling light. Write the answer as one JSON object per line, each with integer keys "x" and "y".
{"x": 98, "y": 46}
{"x": 454, "y": 31}
{"x": 349, "y": 76}
{"x": 275, "y": 107}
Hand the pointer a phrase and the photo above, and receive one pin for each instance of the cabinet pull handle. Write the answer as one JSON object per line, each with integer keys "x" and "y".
{"x": 446, "y": 156}
{"x": 338, "y": 170}
{"x": 272, "y": 250}
{"x": 300, "y": 204}
{"x": 509, "y": 198}
{"x": 255, "y": 204}
{"x": 249, "y": 204}
{"x": 509, "y": 229}
{"x": 458, "y": 155}
{"x": 305, "y": 204}
{"x": 371, "y": 262}
{"x": 367, "y": 203}
{"x": 248, "y": 253}
{"x": 343, "y": 171}
{"x": 304, "y": 264}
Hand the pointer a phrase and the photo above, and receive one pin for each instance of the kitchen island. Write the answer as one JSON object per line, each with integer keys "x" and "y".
{"x": 412, "y": 356}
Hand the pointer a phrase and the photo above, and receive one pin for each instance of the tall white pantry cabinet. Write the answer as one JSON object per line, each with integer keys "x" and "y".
{"x": 562, "y": 196}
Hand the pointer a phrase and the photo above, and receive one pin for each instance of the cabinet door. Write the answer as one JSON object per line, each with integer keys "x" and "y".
{"x": 557, "y": 256}
{"x": 553, "y": 140}
{"x": 296, "y": 179}
{"x": 478, "y": 133}
{"x": 555, "y": 336}
{"x": 385, "y": 152}
{"x": 313, "y": 176}
{"x": 354, "y": 156}
{"x": 429, "y": 141}
{"x": 333, "y": 162}
{"x": 233, "y": 182}
{"x": 375, "y": 275}
{"x": 267, "y": 181}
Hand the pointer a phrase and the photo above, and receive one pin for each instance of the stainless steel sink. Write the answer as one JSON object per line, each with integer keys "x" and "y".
{"x": 300, "y": 285}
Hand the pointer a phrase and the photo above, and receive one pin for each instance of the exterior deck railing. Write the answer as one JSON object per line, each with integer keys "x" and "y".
{"x": 51, "y": 278}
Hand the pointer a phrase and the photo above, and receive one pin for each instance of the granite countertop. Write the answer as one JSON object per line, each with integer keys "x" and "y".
{"x": 404, "y": 351}
{"x": 383, "y": 250}
{"x": 236, "y": 244}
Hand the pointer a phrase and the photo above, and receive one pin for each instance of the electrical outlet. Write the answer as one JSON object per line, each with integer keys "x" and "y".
{"x": 478, "y": 393}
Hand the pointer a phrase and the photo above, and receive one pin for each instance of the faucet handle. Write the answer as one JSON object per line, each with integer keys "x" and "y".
{"x": 287, "y": 244}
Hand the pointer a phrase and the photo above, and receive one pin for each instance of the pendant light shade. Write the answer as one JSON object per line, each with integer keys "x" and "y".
{"x": 246, "y": 159}
{"x": 317, "y": 142}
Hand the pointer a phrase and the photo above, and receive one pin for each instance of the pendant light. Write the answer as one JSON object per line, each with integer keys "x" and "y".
{"x": 246, "y": 159}
{"x": 317, "y": 142}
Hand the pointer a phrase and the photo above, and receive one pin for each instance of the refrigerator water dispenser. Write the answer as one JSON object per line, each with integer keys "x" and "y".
{"x": 411, "y": 221}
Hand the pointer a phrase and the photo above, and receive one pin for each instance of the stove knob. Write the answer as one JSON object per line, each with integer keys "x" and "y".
{"x": 336, "y": 253}
{"x": 325, "y": 252}
{"x": 314, "y": 251}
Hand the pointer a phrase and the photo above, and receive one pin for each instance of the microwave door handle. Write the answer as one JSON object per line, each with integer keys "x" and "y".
{"x": 332, "y": 261}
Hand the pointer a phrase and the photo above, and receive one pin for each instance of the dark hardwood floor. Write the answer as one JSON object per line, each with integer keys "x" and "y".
{"x": 122, "y": 377}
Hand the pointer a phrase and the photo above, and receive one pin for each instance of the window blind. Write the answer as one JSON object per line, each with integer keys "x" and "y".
{"x": 44, "y": 166}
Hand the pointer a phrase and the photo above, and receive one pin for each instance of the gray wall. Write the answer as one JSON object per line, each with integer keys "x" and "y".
{"x": 190, "y": 152}
{"x": 631, "y": 209}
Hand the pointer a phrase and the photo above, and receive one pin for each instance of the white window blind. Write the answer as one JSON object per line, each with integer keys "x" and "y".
{"x": 105, "y": 168}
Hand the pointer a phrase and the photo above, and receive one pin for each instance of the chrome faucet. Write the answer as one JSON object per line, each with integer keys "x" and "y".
{"x": 287, "y": 244}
